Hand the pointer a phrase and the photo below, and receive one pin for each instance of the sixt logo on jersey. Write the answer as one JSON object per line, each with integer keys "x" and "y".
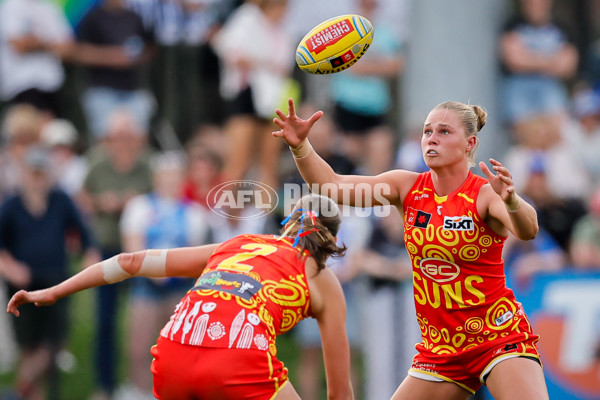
{"x": 458, "y": 223}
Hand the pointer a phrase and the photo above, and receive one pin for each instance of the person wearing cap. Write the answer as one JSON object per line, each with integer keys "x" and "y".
{"x": 34, "y": 224}
{"x": 68, "y": 167}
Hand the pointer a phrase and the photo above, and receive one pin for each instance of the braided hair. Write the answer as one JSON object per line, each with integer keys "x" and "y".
{"x": 314, "y": 224}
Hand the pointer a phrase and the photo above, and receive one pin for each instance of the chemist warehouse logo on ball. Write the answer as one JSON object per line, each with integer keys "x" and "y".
{"x": 242, "y": 199}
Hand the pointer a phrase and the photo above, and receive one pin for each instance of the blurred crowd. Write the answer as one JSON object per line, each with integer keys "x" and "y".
{"x": 115, "y": 129}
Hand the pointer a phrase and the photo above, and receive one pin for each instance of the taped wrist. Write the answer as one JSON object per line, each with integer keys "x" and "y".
{"x": 303, "y": 150}
{"x": 112, "y": 270}
{"x": 514, "y": 206}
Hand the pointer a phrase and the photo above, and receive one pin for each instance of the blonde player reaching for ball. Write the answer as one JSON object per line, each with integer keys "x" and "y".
{"x": 220, "y": 341}
{"x": 474, "y": 331}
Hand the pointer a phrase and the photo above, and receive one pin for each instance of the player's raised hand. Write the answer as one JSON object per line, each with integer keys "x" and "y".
{"x": 42, "y": 297}
{"x": 501, "y": 182}
{"x": 294, "y": 129}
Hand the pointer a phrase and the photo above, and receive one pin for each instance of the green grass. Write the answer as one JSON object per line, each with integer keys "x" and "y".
{"x": 78, "y": 384}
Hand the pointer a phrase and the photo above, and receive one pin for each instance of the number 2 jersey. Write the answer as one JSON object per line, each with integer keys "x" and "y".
{"x": 253, "y": 288}
{"x": 460, "y": 291}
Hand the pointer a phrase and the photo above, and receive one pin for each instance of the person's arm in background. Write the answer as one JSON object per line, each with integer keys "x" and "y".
{"x": 25, "y": 39}
{"x": 91, "y": 253}
{"x": 89, "y": 51}
{"x": 519, "y": 59}
{"x": 133, "y": 224}
{"x": 12, "y": 271}
{"x": 183, "y": 262}
{"x": 328, "y": 307}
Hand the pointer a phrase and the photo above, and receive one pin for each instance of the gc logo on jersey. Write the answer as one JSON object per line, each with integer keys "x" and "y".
{"x": 439, "y": 270}
{"x": 458, "y": 223}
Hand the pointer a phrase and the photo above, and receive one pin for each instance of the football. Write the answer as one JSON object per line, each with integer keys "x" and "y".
{"x": 334, "y": 45}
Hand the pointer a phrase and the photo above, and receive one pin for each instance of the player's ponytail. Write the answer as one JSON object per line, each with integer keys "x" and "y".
{"x": 314, "y": 224}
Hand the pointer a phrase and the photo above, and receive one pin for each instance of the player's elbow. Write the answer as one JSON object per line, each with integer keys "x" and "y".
{"x": 131, "y": 262}
{"x": 530, "y": 233}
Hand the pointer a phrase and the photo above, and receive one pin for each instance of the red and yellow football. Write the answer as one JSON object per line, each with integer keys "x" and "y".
{"x": 334, "y": 45}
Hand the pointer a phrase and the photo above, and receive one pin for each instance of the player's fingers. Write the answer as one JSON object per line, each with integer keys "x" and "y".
{"x": 486, "y": 170}
{"x": 291, "y": 107}
{"x": 495, "y": 162}
{"x": 278, "y": 122}
{"x": 315, "y": 117}
{"x": 280, "y": 114}
{"x": 506, "y": 179}
{"x": 502, "y": 170}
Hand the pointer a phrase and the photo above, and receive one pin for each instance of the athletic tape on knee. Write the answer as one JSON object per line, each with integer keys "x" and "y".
{"x": 154, "y": 264}
{"x": 112, "y": 270}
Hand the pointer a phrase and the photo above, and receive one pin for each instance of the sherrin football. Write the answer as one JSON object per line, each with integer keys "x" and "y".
{"x": 334, "y": 45}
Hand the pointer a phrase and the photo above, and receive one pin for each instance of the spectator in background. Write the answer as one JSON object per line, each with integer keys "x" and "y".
{"x": 556, "y": 215}
{"x": 585, "y": 239}
{"x": 524, "y": 259}
{"x": 254, "y": 52}
{"x": 185, "y": 75}
{"x": 363, "y": 97}
{"x": 538, "y": 57}
{"x": 119, "y": 173}
{"x": 20, "y": 130}
{"x": 384, "y": 263}
{"x": 409, "y": 155}
{"x": 158, "y": 220}
{"x": 114, "y": 45}
{"x": 33, "y": 254}
{"x": 582, "y": 132}
{"x": 34, "y": 38}
{"x": 540, "y": 140}
{"x": 354, "y": 233}
{"x": 67, "y": 166}
{"x": 203, "y": 174}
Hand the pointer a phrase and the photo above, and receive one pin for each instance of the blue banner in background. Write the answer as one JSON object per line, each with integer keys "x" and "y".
{"x": 564, "y": 309}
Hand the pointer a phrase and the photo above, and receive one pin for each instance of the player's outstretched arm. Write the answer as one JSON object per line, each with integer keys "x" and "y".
{"x": 328, "y": 306}
{"x": 372, "y": 190}
{"x": 184, "y": 262}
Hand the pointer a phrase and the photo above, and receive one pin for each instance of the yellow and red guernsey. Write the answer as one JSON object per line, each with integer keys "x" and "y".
{"x": 460, "y": 291}
{"x": 253, "y": 288}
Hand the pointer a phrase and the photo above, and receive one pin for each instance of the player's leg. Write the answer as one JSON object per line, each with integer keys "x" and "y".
{"x": 269, "y": 154}
{"x": 417, "y": 389}
{"x": 239, "y": 137}
{"x": 517, "y": 378}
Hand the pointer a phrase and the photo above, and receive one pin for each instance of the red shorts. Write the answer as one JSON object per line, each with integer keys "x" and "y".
{"x": 470, "y": 368}
{"x": 184, "y": 372}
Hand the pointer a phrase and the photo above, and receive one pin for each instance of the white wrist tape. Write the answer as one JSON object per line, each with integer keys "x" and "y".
{"x": 112, "y": 270}
{"x": 154, "y": 264}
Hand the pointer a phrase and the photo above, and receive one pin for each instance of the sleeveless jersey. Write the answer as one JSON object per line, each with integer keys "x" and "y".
{"x": 460, "y": 291}
{"x": 253, "y": 288}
